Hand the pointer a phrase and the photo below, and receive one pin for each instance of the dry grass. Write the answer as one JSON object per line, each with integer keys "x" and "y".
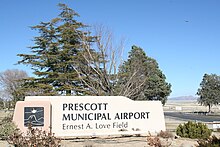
{"x": 188, "y": 106}
{"x": 4, "y": 113}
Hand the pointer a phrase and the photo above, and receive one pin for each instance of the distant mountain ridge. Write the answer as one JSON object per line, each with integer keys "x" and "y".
{"x": 183, "y": 98}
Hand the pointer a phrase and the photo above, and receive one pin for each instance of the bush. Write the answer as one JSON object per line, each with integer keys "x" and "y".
{"x": 1, "y": 104}
{"x": 165, "y": 134}
{"x": 163, "y": 139}
{"x": 154, "y": 141}
{"x": 210, "y": 142}
{"x": 34, "y": 137}
{"x": 193, "y": 130}
{"x": 7, "y": 127}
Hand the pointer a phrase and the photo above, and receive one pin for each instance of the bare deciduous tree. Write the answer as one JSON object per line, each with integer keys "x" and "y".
{"x": 101, "y": 73}
{"x": 134, "y": 85}
{"x": 10, "y": 81}
{"x": 100, "y": 61}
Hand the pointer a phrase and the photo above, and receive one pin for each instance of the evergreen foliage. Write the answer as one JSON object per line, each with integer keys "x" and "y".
{"x": 142, "y": 78}
{"x": 67, "y": 60}
{"x": 193, "y": 130}
{"x": 56, "y": 56}
{"x": 209, "y": 91}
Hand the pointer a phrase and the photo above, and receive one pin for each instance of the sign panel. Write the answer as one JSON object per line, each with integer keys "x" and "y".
{"x": 34, "y": 116}
{"x": 102, "y": 115}
{"x": 36, "y": 113}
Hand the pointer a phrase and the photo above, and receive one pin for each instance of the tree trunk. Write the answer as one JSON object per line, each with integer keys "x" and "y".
{"x": 209, "y": 106}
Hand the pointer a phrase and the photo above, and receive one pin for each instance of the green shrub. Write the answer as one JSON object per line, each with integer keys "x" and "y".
{"x": 1, "y": 104}
{"x": 34, "y": 138}
{"x": 210, "y": 142}
{"x": 7, "y": 127}
{"x": 193, "y": 130}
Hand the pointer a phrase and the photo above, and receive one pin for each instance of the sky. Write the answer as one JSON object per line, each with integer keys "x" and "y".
{"x": 182, "y": 35}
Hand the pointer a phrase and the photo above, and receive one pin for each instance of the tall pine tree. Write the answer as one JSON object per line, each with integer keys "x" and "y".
{"x": 209, "y": 91}
{"x": 56, "y": 57}
{"x": 141, "y": 79}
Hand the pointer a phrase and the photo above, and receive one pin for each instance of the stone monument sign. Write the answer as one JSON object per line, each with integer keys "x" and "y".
{"x": 90, "y": 115}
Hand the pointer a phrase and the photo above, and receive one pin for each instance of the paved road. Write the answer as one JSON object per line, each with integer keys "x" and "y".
{"x": 194, "y": 117}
